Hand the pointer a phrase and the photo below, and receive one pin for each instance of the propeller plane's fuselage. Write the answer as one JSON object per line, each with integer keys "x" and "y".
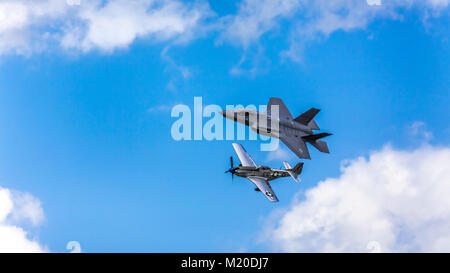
{"x": 258, "y": 171}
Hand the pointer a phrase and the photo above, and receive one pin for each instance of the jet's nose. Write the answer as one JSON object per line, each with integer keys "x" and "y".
{"x": 223, "y": 113}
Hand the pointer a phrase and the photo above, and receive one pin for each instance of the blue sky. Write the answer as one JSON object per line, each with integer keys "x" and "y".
{"x": 86, "y": 127}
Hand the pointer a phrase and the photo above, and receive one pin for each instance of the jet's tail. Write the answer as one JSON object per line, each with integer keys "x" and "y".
{"x": 321, "y": 146}
{"x": 307, "y": 118}
{"x": 294, "y": 172}
{"x": 313, "y": 125}
{"x": 318, "y": 144}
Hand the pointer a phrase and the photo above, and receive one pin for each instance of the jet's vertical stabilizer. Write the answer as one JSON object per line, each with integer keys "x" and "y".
{"x": 313, "y": 125}
{"x": 307, "y": 117}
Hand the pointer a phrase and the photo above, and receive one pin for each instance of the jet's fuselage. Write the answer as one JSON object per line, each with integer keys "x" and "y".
{"x": 264, "y": 124}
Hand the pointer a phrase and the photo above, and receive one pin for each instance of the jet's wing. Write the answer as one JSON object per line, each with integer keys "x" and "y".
{"x": 244, "y": 157}
{"x": 283, "y": 111}
{"x": 264, "y": 187}
{"x": 297, "y": 145}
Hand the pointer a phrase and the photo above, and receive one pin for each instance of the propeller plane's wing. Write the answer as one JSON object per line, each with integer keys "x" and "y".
{"x": 261, "y": 183}
{"x": 244, "y": 157}
{"x": 264, "y": 187}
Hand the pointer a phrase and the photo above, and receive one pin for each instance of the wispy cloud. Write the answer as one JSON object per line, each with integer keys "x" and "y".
{"x": 254, "y": 18}
{"x": 418, "y": 130}
{"x": 279, "y": 154}
{"x": 308, "y": 20}
{"x": 159, "y": 109}
{"x": 183, "y": 70}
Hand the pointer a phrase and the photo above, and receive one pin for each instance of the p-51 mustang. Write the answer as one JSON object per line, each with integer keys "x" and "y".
{"x": 261, "y": 175}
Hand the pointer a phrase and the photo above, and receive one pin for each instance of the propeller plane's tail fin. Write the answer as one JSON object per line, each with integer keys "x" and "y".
{"x": 294, "y": 172}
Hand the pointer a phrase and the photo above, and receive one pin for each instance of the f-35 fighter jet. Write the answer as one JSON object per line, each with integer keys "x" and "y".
{"x": 294, "y": 132}
{"x": 261, "y": 175}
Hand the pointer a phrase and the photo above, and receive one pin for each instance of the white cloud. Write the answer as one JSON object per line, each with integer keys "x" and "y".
{"x": 27, "y": 26}
{"x": 397, "y": 199}
{"x": 26, "y": 208}
{"x": 118, "y": 23}
{"x": 15, "y": 208}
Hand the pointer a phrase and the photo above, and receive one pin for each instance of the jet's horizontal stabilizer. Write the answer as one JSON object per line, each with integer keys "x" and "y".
{"x": 308, "y": 116}
{"x": 321, "y": 146}
{"x": 318, "y": 144}
{"x": 313, "y": 138}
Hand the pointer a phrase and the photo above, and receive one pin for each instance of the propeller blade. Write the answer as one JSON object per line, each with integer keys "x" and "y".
{"x": 231, "y": 161}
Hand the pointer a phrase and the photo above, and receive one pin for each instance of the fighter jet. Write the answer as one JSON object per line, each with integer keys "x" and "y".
{"x": 261, "y": 175}
{"x": 293, "y": 132}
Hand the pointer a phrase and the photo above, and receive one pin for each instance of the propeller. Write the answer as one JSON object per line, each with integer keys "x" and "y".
{"x": 231, "y": 169}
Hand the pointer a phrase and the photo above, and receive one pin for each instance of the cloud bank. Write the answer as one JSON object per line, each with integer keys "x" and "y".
{"x": 28, "y": 26}
{"x": 396, "y": 199}
{"x": 18, "y": 208}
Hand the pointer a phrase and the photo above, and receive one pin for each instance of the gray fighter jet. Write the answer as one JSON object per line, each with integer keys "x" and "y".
{"x": 261, "y": 175}
{"x": 294, "y": 132}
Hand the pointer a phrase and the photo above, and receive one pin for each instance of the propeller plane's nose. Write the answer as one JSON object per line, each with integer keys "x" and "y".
{"x": 230, "y": 170}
